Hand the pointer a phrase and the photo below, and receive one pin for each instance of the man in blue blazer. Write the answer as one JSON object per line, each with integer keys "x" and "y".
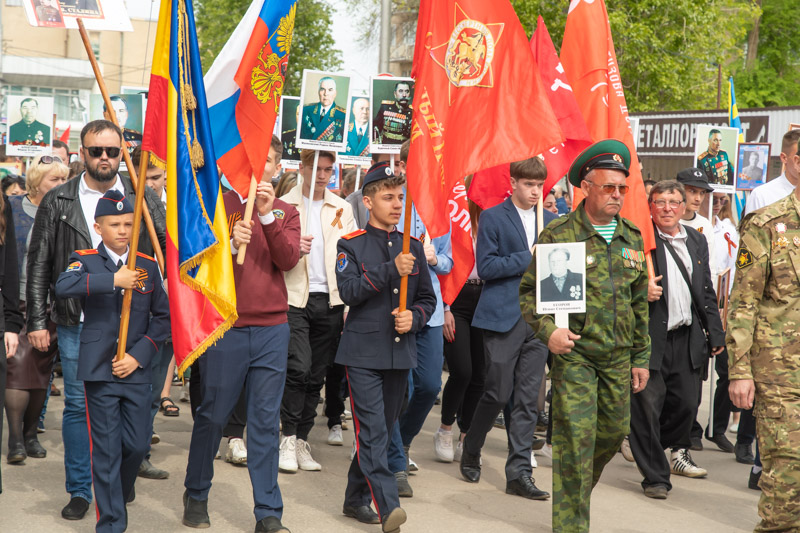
{"x": 515, "y": 360}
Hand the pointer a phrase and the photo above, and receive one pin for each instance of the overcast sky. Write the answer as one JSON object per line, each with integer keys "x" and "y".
{"x": 359, "y": 62}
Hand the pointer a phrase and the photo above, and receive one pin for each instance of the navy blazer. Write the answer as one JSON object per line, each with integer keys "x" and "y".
{"x": 502, "y": 256}
{"x": 90, "y": 277}
{"x": 369, "y": 283}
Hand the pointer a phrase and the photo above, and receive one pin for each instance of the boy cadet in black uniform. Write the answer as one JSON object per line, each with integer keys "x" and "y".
{"x": 378, "y": 345}
{"x": 117, "y": 392}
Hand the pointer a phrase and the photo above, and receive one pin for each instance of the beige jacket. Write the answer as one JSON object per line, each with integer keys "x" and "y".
{"x": 297, "y": 278}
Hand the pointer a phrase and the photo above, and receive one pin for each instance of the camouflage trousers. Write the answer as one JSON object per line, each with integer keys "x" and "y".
{"x": 777, "y": 411}
{"x": 591, "y": 416}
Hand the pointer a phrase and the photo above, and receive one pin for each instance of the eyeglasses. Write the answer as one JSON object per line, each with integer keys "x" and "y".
{"x": 49, "y": 160}
{"x": 661, "y": 204}
{"x": 97, "y": 151}
{"x": 609, "y": 189}
{"x": 720, "y": 200}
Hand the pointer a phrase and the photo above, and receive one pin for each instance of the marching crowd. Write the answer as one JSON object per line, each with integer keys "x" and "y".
{"x": 320, "y": 304}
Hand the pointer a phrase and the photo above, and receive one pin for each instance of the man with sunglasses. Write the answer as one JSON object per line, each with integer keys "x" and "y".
{"x": 682, "y": 305}
{"x": 62, "y": 226}
{"x": 605, "y": 352}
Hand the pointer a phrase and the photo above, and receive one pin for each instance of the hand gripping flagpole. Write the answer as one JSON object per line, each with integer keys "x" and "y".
{"x": 248, "y": 215}
{"x": 138, "y": 209}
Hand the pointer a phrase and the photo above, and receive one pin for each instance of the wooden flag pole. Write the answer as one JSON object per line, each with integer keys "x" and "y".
{"x": 248, "y": 215}
{"x": 311, "y": 190}
{"x": 406, "y": 241}
{"x": 138, "y": 187}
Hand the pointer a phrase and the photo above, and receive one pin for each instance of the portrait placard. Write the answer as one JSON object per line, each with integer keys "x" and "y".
{"x": 753, "y": 162}
{"x": 30, "y": 125}
{"x": 561, "y": 278}
{"x": 129, "y": 109}
{"x": 290, "y": 114}
{"x": 97, "y": 15}
{"x": 325, "y": 101}
{"x": 714, "y": 151}
{"x": 356, "y": 150}
{"x": 390, "y": 120}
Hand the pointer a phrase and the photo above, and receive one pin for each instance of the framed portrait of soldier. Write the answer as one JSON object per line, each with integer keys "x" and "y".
{"x": 356, "y": 151}
{"x": 30, "y": 125}
{"x": 753, "y": 162}
{"x": 129, "y": 109}
{"x": 290, "y": 116}
{"x": 390, "y": 123}
{"x": 325, "y": 114}
{"x": 716, "y": 150}
{"x": 98, "y": 15}
{"x": 561, "y": 277}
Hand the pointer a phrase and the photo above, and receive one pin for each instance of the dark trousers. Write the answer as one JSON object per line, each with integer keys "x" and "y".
{"x": 3, "y": 370}
{"x": 158, "y": 368}
{"x": 376, "y": 398}
{"x": 253, "y": 357}
{"x": 334, "y": 399}
{"x": 119, "y": 426}
{"x": 663, "y": 413}
{"x": 314, "y": 330}
{"x": 722, "y": 400}
{"x": 514, "y": 363}
{"x": 747, "y": 427}
{"x": 465, "y": 361}
{"x": 234, "y": 429}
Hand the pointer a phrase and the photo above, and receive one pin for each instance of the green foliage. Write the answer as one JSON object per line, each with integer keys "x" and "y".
{"x": 313, "y": 45}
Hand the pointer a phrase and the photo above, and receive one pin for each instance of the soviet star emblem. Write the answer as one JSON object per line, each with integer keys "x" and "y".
{"x": 467, "y": 55}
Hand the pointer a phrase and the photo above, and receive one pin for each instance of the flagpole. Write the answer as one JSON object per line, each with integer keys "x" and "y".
{"x": 138, "y": 187}
{"x": 248, "y": 215}
{"x": 406, "y": 240}
{"x": 311, "y": 190}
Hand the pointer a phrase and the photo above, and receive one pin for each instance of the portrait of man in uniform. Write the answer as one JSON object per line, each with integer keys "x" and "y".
{"x": 713, "y": 159}
{"x": 290, "y": 117}
{"x": 391, "y": 123}
{"x": 323, "y": 121}
{"x": 562, "y": 284}
{"x": 358, "y": 130}
{"x": 753, "y": 163}
{"x": 29, "y": 131}
{"x": 127, "y": 121}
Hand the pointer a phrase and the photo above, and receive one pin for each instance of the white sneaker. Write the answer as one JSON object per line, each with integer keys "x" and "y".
{"x": 412, "y": 466}
{"x": 335, "y": 436}
{"x": 534, "y": 464}
{"x": 287, "y": 456}
{"x": 683, "y": 465}
{"x": 304, "y": 459}
{"x": 443, "y": 446}
{"x": 734, "y": 427}
{"x": 353, "y": 450}
{"x": 458, "y": 451}
{"x": 626, "y": 450}
{"x": 237, "y": 453}
{"x": 345, "y": 425}
{"x": 347, "y": 414}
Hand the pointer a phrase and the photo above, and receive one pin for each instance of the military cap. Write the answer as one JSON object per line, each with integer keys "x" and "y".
{"x": 112, "y": 203}
{"x": 694, "y": 177}
{"x": 377, "y": 172}
{"x": 608, "y": 154}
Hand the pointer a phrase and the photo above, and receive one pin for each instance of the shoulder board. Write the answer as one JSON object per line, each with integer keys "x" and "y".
{"x": 340, "y": 108}
{"x": 630, "y": 225}
{"x": 90, "y": 251}
{"x": 145, "y": 256}
{"x": 415, "y": 238}
{"x": 703, "y": 155}
{"x": 354, "y": 234}
{"x": 763, "y": 216}
{"x": 387, "y": 102}
{"x": 350, "y": 128}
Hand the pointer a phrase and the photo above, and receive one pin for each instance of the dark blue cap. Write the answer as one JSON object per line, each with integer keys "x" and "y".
{"x": 377, "y": 172}
{"x": 112, "y": 203}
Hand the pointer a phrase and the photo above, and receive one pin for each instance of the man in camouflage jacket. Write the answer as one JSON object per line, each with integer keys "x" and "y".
{"x": 605, "y": 352}
{"x": 764, "y": 350}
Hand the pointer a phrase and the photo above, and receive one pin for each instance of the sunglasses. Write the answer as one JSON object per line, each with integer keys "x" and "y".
{"x": 609, "y": 189}
{"x": 49, "y": 160}
{"x": 722, "y": 200}
{"x": 97, "y": 151}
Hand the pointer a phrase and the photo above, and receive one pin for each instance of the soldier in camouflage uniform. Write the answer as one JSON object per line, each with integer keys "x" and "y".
{"x": 605, "y": 352}
{"x": 764, "y": 351}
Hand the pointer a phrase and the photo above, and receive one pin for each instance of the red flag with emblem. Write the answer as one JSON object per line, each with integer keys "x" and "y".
{"x": 478, "y": 103}
{"x": 590, "y": 63}
{"x": 576, "y": 135}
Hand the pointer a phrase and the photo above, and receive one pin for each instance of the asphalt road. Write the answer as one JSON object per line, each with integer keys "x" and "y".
{"x": 34, "y": 493}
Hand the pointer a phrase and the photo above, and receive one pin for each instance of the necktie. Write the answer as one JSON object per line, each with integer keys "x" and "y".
{"x": 119, "y": 263}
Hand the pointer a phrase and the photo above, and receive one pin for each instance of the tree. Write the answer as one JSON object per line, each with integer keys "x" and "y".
{"x": 313, "y": 45}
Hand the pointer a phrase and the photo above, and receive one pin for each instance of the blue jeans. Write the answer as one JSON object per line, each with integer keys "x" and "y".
{"x": 74, "y": 432}
{"x": 424, "y": 383}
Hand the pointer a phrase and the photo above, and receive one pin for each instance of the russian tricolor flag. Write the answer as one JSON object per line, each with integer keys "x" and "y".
{"x": 244, "y": 88}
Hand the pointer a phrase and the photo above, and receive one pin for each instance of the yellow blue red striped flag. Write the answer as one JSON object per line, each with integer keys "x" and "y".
{"x": 733, "y": 111}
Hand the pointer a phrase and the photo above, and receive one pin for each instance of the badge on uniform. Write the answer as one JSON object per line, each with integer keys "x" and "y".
{"x": 796, "y": 241}
{"x": 780, "y": 227}
{"x": 575, "y": 292}
{"x": 782, "y": 242}
{"x": 341, "y": 261}
{"x": 745, "y": 258}
{"x": 589, "y": 259}
{"x": 76, "y": 265}
{"x": 279, "y": 213}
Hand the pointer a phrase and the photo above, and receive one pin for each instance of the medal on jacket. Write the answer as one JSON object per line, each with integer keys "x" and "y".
{"x": 782, "y": 242}
{"x": 338, "y": 219}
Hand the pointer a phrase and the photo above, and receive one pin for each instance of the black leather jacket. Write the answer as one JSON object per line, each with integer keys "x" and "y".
{"x": 60, "y": 229}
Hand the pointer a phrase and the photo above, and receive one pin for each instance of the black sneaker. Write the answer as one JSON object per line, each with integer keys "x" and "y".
{"x": 404, "y": 489}
{"x": 75, "y": 509}
{"x": 195, "y": 512}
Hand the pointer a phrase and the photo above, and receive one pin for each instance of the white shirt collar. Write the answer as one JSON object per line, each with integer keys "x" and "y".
{"x": 84, "y": 189}
{"x": 680, "y": 235}
{"x": 116, "y": 258}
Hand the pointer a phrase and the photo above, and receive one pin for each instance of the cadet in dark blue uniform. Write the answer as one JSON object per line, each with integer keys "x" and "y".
{"x": 117, "y": 392}
{"x": 378, "y": 345}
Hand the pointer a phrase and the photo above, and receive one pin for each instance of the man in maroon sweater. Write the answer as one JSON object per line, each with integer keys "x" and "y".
{"x": 252, "y": 353}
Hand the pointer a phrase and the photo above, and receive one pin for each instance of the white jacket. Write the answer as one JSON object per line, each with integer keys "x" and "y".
{"x": 297, "y": 278}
